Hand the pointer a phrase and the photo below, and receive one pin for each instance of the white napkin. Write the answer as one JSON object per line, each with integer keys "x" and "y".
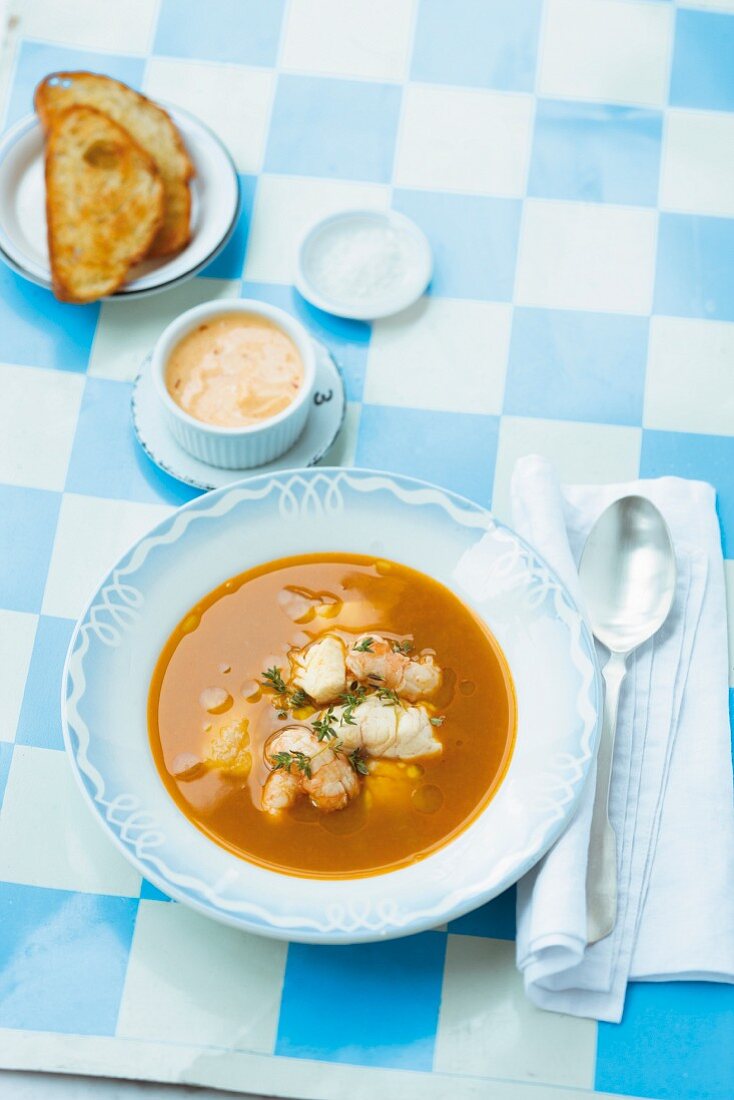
{"x": 671, "y": 796}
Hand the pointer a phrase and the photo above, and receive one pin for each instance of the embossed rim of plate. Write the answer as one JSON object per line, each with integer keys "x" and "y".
{"x": 557, "y": 717}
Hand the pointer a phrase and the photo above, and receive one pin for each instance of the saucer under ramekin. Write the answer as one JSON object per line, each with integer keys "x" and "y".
{"x": 328, "y": 406}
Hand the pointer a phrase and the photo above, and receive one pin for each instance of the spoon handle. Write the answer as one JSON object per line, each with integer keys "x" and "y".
{"x": 601, "y": 876}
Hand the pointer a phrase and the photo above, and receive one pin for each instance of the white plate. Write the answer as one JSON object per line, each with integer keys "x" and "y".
{"x": 117, "y": 641}
{"x": 322, "y": 427}
{"x": 416, "y": 264}
{"x": 214, "y": 209}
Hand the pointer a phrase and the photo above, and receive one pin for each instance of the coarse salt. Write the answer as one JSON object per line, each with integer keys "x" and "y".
{"x": 360, "y": 263}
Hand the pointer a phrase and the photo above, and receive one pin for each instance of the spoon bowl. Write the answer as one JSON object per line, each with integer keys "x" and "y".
{"x": 627, "y": 573}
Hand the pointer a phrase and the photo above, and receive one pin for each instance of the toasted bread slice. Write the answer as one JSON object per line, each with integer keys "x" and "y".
{"x": 104, "y": 204}
{"x": 148, "y": 124}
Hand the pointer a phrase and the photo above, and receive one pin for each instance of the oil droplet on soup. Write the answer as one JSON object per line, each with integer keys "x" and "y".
{"x": 215, "y": 700}
{"x": 254, "y": 623}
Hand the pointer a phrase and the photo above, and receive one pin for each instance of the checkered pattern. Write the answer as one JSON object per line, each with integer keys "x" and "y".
{"x": 572, "y": 162}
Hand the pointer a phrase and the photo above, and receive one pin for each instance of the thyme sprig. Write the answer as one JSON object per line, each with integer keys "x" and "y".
{"x": 325, "y": 727}
{"x": 298, "y": 699}
{"x": 273, "y": 678}
{"x": 351, "y": 700}
{"x": 358, "y": 763}
{"x": 388, "y": 697}
{"x": 287, "y": 760}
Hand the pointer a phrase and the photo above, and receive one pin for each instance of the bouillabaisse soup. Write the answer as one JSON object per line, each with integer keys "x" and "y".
{"x": 331, "y": 715}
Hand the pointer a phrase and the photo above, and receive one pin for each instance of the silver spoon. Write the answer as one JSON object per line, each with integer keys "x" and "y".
{"x": 628, "y": 579}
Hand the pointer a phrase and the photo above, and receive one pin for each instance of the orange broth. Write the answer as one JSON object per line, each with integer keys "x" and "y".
{"x": 405, "y": 809}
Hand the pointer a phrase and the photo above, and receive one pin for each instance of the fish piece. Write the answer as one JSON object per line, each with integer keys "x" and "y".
{"x": 372, "y": 660}
{"x": 320, "y": 669}
{"x": 312, "y": 767}
{"x": 228, "y": 748}
{"x": 392, "y": 730}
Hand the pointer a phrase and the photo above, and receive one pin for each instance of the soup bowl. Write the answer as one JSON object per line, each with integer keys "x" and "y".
{"x": 117, "y": 641}
{"x": 237, "y": 448}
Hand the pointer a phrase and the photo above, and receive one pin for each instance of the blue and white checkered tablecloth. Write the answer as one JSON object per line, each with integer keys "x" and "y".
{"x": 572, "y": 162}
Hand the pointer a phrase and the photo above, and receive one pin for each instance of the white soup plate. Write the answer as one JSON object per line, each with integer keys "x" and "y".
{"x": 118, "y": 639}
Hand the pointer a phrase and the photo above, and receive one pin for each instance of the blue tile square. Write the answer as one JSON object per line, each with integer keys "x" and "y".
{"x": 348, "y": 341}
{"x": 479, "y": 43}
{"x": 6, "y": 755}
{"x": 245, "y": 32}
{"x": 474, "y": 241}
{"x": 703, "y": 61}
{"x": 230, "y": 262}
{"x": 577, "y": 366}
{"x": 455, "y": 450}
{"x": 37, "y": 59}
{"x": 495, "y": 920}
{"x": 695, "y": 266}
{"x": 40, "y": 719}
{"x": 149, "y": 892}
{"x": 38, "y": 331}
{"x": 731, "y": 721}
{"x": 107, "y": 460}
{"x": 326, "y": 127}
{"x": 63, "y": 958}
{"x": 674, "y": 1043}
{"x": 394, "y": 986}
{"x": 27, "y": 534}
{"x": 592, "y": 152}
{"x": 702, "y": 457}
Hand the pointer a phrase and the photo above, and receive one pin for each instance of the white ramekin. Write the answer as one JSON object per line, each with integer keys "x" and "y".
{"x": 235, "y": 448}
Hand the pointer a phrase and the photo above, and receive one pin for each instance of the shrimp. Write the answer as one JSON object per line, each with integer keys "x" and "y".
{"x": 386, "y": 729}
{"x": 303, "y": 764}
{"x": 321, "y": 669}
{"x": 372, "y": 659}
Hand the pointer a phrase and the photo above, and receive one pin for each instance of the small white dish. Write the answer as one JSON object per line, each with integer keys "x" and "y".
{"x": 240, "y": 447}
{"x": 328, "y": 406}
{"x": 214, "y": 209}
{"x": 119, "y": 636}
{"x": 363, "y": 264}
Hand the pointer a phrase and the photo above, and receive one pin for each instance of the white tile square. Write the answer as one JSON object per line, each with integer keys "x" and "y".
{"x": 709, "y": 5}
{"x": 48, "y": 837}
{"x": 38, "y": 417}
{"x": 285, "y": 206}
{"x": 88, "y": 24}
{"x": 234, "y": 100}
{"x": 91, "y": 534}
{"x": 488, "y": 1027}
{"x": 586, "y": 256}
{"x": 442, "y": 353}
{"x": 126, "y": 331}
{"x": 464, "y": 139}
{"x": 192, "y": 981}
{"x": 729, "y": 581}
{"x": 689, "y": 385}
{"x": 17, "y": 635}
{"x": 587, "y": 454}
{"x": 697, "y": 170}
{"x": 361, "y": 38}
{"x": 604, "y": 50}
